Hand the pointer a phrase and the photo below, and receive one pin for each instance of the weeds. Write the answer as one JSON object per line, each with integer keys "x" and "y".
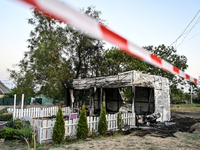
{"x": 153, "y": 148}
{"x": 80, "y": 141}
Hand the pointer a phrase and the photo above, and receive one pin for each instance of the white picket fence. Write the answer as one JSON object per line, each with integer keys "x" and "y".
{"x": 39, "y": 112}
{"x": 45, "y": 127}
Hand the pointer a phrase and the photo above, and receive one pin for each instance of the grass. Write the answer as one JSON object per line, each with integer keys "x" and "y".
{"x": 116, "y": 134}
{"x": 186, "y": 107}
{"x": 15, "y": 145}
{"x": 80, "y": 141}
{"x": 153, "y": 148}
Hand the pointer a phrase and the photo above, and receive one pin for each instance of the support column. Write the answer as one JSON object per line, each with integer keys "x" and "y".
{"x": 14, "y": 106}
{"x": 133, "y": 99}
{"x": 22, "y": 106}
{"x": 91, "y": 101}
{"x": 101, "y": 98}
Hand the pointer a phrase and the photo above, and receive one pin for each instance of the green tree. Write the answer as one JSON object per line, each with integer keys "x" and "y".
{"x": 198, "y": 94}
{"x": 177, "y": 96}
{"x": 115, "y": 61}
{"x": 187, "y": 96}
{"x": 85, "y": 52}
{"x": 102, "y": 126}
{"x": 59, "y": 127}
{"x": 170, "y": 55}
{"x": 57, "y": 54}
{"x": 82, "y": 130}
{"x": 9, "y": 95}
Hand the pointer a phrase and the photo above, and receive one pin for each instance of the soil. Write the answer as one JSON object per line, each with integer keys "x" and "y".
{"x": 183, "y": 132}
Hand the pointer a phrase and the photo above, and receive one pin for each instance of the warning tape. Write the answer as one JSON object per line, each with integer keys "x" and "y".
{"x": 84, "y": 23}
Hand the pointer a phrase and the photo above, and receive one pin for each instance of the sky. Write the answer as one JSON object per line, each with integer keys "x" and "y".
{"x": 143, "y": 22}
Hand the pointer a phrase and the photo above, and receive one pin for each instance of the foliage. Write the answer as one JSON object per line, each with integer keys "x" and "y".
{"x": 170, "y": 55}
{"x": 115, "y": 61}
{"x": 24, "y": 133}
{"x": 5, "y": 116}
{"x": 17, "y": 123}
{"x": 102, "y": 126}
{"x": 187, "y": 96}
{"x": 7, "y": 133}
{"x": 119, "y": 122}
{"x": 4, "y": 110}
{"x": 82, "y": 130}
{"x": 127, "y": 92}
{"x": 177, "y": 95}
{"x": 57, "y": 54}
{"x": 59, "y": 128}
{"x": 198, "y": 94}
{"x": 9, "y": 95}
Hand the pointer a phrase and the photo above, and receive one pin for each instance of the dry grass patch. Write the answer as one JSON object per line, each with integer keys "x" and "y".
{"x": 186, "y": 108}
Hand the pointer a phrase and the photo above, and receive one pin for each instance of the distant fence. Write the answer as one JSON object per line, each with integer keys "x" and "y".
{"x": 39, "y": 112}
{"x": 8, "y": 101}
{"x": 45, "y": 127}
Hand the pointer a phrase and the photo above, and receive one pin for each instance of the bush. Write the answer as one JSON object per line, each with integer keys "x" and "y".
{"x": 6, "y": 117}
{"x": 102, "y": 126}
{"x": 24, "y": 133}
{"x": 59, "y": 128}
{"x": 82, "y": 131}
{"x": 17, "y": 124}
{"x": 7, "y": 133}
{"x": 2, "y": 111}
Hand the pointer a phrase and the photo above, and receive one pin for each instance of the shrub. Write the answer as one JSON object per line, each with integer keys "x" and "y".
{"x": 102, "y": 126}
{"x": 7, "y": 133}
{"x": 119, "y": 122}
{"x": 59, "y": 128}
{"x": 2, "y": 111}
{"x": 5, "y": 116}
{"x": 24, "y": 133}
{"x": 82, "y": 131}
{"x": 16, "y": 124}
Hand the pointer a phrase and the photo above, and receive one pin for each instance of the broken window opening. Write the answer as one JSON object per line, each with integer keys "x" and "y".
{"x": 144, "y": 100}
{"x": 113, "y": 100}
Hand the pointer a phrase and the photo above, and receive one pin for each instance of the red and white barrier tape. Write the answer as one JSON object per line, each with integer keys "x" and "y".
{"x": 84, "y": 23}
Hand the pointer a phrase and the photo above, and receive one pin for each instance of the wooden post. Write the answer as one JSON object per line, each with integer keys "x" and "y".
{"x": 101, "y": 98}
{"x": 22, "y": 105}
{"x": 14, "y": 106}
{"x": 133, "y": 97}
{"x": 91, "y": 101}
{"x": 104, "y": 95}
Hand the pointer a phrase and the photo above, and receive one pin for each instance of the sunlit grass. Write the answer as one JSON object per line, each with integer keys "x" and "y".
{"x": 186, "y": 107}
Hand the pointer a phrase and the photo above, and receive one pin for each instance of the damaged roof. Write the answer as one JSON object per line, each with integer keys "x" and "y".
{"x": 3, "y": 88}
{"x": 124, "y": 79}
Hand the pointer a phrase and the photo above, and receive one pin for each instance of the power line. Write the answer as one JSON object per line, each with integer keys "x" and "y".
{"x": 185, "y": 28}
{"x": 188, "y": 32}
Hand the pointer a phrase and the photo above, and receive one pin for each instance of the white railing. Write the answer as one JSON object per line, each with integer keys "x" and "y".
{"x": 45, "y": 127}
{"x": 39, "y": 112}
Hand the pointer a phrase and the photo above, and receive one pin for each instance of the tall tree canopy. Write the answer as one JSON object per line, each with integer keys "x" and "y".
{"x": 117, "y": 61}
{"x": 57, "y": 54}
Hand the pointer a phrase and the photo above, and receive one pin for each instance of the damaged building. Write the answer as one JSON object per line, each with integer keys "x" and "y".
{"x": 149, "y": 94}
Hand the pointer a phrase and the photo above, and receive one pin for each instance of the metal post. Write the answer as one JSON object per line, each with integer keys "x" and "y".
{"x": 14, "y": 106}
{"x": 22, "y": 105}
